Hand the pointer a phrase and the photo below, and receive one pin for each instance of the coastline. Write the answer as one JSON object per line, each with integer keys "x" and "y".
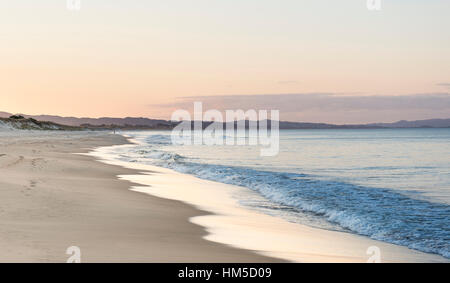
{"x": 231, "y": 224}
{"x": 52, "y": 198}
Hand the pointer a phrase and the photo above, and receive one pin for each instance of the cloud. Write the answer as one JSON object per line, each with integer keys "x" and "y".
{"x": 318, "y": 101}
{"x": 446, "y": 85}
{"x": 329, "y": 107}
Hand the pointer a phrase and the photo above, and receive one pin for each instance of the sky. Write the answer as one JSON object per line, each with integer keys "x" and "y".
{"x": 314, "y": 60}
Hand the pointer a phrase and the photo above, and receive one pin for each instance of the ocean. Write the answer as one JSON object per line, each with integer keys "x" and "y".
{"x": 391, "y": 185}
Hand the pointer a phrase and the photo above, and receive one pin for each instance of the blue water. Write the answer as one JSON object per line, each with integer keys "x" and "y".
{"x": 390, "y": 185}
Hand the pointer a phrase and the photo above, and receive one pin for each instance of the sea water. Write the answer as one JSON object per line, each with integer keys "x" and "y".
{"x": 391, "y": 185}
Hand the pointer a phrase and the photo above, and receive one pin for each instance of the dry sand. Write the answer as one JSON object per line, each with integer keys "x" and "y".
{"x": 51, "y": 199}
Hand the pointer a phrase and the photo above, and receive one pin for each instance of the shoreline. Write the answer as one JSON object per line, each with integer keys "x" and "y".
{"x": 53, "y": 198}
{"x": 231, "y": 224}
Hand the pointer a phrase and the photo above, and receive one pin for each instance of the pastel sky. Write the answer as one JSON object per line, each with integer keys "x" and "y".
{"x": 146, "y": 58}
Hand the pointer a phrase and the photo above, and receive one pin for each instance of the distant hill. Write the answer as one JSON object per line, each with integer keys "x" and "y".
{"x": 431, "y": 123}
{"x": 146, "y": 123}
{"x": 129, "y": 121}
{"x": 5, "y": 114}
{"x": 22, "y": 123}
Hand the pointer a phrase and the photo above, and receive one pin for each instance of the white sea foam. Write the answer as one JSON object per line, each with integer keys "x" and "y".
{"x": 380, "y": 213}
{"x": 237, "y": 226}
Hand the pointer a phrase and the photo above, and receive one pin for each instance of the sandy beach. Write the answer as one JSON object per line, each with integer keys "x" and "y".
{"x": 51, "y": 199}
{"x": 55, "y": 193}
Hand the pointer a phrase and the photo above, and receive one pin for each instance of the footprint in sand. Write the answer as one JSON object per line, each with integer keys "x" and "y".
{"x": 14, "y": 161}
{"x": 38, "y": 163}
{"x": 28, "y": 189}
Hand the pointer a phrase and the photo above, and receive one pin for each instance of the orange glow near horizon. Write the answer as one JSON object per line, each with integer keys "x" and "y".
{"x": 123, "y": 59}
